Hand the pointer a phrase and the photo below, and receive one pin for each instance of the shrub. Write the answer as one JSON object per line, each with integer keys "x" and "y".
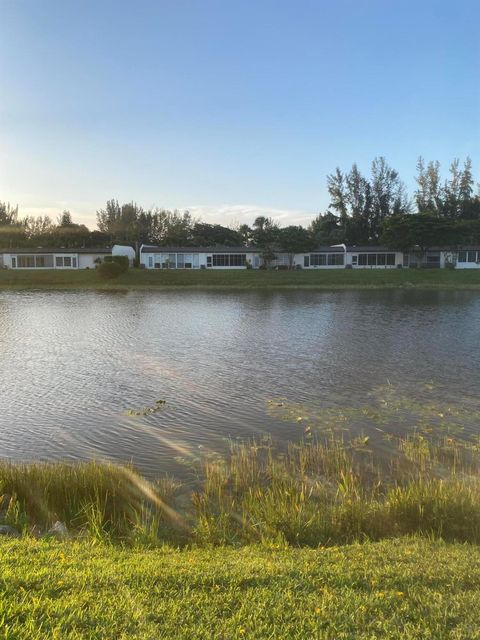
{"x": 110, "y": 270}
{"x": 120, "y": 260}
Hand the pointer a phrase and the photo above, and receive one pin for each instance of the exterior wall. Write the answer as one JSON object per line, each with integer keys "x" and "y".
{"x": 464, "y": 259}
{"x": 300, "y": 260}
{"x": 77, "y": 260}
{"x": 152, "y": 260}
{"x": 87, "y": 260}
{"x": 353, "y": 259}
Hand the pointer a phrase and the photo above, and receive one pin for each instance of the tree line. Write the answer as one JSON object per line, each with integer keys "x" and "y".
{"x": 363, "y": 210}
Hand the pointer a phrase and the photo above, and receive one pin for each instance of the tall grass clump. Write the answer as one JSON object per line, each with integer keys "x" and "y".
{"x": 333, "y": 492}
{"x": 317, "y": 492}
{"x": 100, "y": 499}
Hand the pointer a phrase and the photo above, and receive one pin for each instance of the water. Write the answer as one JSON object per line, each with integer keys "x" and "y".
{"x": 74, "y": 365}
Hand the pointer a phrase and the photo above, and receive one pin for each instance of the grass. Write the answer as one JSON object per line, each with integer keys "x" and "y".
{"x": 318, "y": 492}
{"x": 403, "y": 588}
{"x": 326, "y": 540}
{"x": 244, "y": 279}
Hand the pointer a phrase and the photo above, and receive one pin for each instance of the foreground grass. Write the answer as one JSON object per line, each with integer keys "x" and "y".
{"x": 244, "y": 279}
{"x": 404, "y": 588}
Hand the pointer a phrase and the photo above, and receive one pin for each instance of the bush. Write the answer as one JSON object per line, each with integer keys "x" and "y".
{"x": 110, "y": 270}
{"x": 120, "y": 260}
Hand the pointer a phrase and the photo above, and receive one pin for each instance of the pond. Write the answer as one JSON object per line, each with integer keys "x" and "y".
{"x": 157, "y": 377}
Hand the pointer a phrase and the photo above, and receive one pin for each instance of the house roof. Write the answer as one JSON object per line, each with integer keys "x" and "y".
{"x": 48, "y": 250}
{"x": 147, "y": 248}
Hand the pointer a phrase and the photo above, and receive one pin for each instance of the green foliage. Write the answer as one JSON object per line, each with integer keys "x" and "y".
{"x": 317, "y": 492}
{"x": 120, "y": 260}
{"x": 109, "y": 270}
{"x": 294, "y": 239}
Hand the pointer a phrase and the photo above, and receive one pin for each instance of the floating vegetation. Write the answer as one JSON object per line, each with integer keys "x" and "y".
{"x": 387, "y": 408}
{"x": 147, "y": 411}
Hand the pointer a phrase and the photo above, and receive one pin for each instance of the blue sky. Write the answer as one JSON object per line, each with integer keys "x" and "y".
{"x": 230, "y": 109}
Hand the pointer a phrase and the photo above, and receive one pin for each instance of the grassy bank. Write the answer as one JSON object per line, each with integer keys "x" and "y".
{"x": 244, "y": 279}
{"x": 319, "y": 492}
{"x": 405, "y": 588}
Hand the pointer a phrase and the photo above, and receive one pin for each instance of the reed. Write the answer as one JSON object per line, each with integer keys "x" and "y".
{"x": 317, "y": 492}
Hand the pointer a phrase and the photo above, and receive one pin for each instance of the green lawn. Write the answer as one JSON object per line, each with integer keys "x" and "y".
{"x": 398, "y": 589}
{"x": 244, "y": 279}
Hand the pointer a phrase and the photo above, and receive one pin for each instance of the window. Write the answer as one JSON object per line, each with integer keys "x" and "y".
{"x": 335, "y": 259}
{"x": 44, "y": 262}
{"x": 26, "y": 262}
{"x": 66, "y": 262}
{"x": 209, "y": 261}
{"x": 318, "y": 259}
{"x": 14, "y": 262}
{"x": 354, "y": 260}
{"x": 379, "y": 259}
{"x": 150, "y": 262}
{"x": 184, "y": 261}
{"x": 433, "y": 259}
{"x": 462, "y": 256}
{"x": 306, "y": 261}
{"x": 471, "y": 256}
{"x": 228, "y": 260}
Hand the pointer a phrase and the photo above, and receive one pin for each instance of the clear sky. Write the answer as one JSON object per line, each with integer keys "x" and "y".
{"x": 228, "y": 108}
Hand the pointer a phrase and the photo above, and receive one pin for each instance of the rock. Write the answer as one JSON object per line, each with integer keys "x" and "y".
{"x": 58, "y": 531}
{"x": 7, "y": 530}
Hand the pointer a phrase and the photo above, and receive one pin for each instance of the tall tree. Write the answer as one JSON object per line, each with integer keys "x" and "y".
{"x": 292, "y": 240}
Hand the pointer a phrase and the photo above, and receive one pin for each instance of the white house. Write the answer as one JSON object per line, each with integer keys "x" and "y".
{"x": 41, "y": 258}
{"x": 154, "y": 257}
{"x": 341, "y": 256}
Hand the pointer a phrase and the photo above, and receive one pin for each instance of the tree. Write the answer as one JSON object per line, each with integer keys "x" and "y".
{"x": 429, "y": 195}
{"x": 292, "y": 240}
{"x": 204, "y": 234}
{"x": 419, "y": 232}
{"x": 325, "y": 229}
{"x": 12, "y": 230}
{"x": 245, "y": 233}
{"x": 264, "y": 235}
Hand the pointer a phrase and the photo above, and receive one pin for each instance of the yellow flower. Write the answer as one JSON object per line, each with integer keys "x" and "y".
{"x": 399, "y": 593}
{"x": 380, "y": 594}
{"x": 318, "y": 610}
{"x": 241, "y": 631}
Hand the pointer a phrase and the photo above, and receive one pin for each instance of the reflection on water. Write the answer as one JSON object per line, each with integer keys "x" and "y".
{"x": 82, "y": 373}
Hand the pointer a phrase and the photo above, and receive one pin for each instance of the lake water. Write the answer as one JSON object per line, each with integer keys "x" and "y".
{"x": 81, "y": 372}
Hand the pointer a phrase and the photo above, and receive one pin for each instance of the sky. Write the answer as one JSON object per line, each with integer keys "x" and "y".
{"x": 230, "y": 109}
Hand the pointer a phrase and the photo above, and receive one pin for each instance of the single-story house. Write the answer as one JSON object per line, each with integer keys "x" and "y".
{"x": 48, "y": 258}
{"x": 366, "y": 257}
{"x": 154, "y": 257}
{"x": 335, "y": 257}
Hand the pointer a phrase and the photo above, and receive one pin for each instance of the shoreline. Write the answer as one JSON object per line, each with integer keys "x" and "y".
{"x": 244, "y": 280}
